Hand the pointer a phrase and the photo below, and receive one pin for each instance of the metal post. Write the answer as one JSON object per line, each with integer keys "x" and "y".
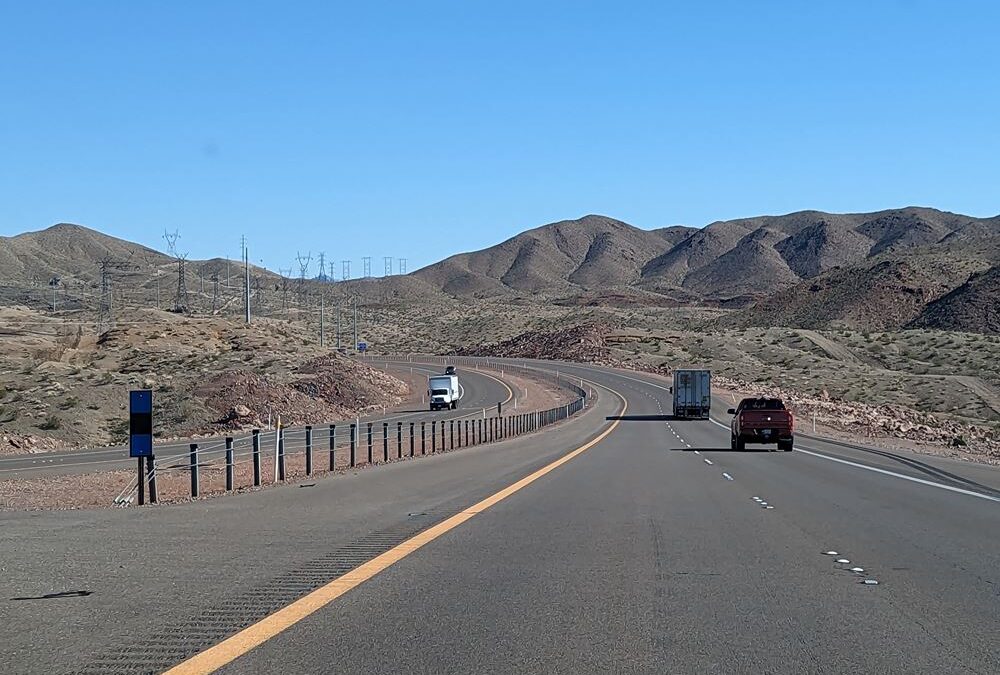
{"x": 423, "y": 442}
{"x": 399, "y": 440}
{"x": 442, "y": 436}
{"x": 370, "y": 459}
{"x": 466, "y": 432}
{"x": 194, "y": 470}
{"x": 322, "y": 317}
{"x": 385, "y": 441}
{"x": 256, "y": 457}
{"x": 281, "y": 454}
{"x": 412, "y": 441}
{"x": 434, "y": 436}
{"x": 451, "y": 433}
{"x": 151, "y": 472}
{"x": 333, "y": 447}
{"x": 309, "y": 450}
{"x": 141, "y": 482}
{"x": 230, "y": 468}
{"x": 354, "y": 444}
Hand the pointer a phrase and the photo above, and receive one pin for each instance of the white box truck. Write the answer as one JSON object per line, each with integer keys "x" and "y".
{"x": 444, "y": 391}
{"x": 692, "y": 392}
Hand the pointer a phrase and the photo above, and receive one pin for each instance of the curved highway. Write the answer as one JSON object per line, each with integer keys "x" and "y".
{"x": 481, "y": 390}
{"x": 617, "y": 541}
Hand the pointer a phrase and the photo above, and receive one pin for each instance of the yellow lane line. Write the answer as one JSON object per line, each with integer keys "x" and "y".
{"x": 239, "y": 644}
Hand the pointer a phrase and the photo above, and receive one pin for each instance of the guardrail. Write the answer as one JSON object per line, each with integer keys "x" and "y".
{"x": 267, "y": 454}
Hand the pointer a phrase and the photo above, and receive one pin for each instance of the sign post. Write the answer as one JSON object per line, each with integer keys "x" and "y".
{"x": 140, "y": 434}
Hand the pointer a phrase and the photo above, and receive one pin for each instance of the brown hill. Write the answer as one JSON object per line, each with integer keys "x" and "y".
{"x": 591, "y": 252}
{"x": 973, "y": 307}
{"x": 886, "y": 292}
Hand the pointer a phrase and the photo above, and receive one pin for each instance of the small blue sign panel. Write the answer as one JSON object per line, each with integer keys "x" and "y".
{"x": 140, "y": 423}
{"x": 362, "y": 346}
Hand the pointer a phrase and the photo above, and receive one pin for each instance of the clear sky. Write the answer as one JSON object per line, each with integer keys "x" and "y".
{"x": 422, "y": 129}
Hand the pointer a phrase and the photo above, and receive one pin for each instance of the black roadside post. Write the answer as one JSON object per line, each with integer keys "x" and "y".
{"x": 451, "y": 433}
{"x": 354, "y": 444}
{"x": 281, "y": 454}
{"x": 434, "y": 436}
{"x": 369, "y": 442}
{"x": 194, "y": 470}
{"x": 499, "y": 408}
{"x": 229, "y": 464}
{"x": 412, "y": 441}
{"x": 309, "y": 450}
{"x": 151, "y": 472}
{"x": 142, "y": 483}
{"x": 385, "y": 441}
{"x": 423, "y": 441}
{"x": 256, "y": 457}
{"x": 333, "y": 447}
{"x": 442, "y": 436}
{"x": 399, "y": 440}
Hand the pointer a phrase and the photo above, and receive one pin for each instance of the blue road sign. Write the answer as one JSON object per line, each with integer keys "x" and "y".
{"x": 140, "y": 423}
{"x": 362, "y": 346}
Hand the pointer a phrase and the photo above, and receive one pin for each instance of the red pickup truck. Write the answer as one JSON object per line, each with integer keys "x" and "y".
{"x": 762, "y": 420}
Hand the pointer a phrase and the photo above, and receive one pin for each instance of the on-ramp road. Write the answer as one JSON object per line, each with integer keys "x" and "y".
{"x": 637, "y": 554}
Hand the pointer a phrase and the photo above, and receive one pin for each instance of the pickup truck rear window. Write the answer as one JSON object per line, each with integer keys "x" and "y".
{"x": 762, "y": 404}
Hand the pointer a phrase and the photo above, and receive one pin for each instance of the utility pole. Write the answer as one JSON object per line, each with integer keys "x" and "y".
{"x": 322, "y": 318}
{"x": 333, "y": 266}
{"x": 355, "y": 323}
{"x": 246, "y": 287}
{"x": 345, "y": 268}
{"x": 303, "y": 261}
{"x": 284, "y": 288}
{"x": 366, "y": 263}
{"x": 215, "y": 292}
{"x": 387, "y": 261}
{"x": 402, "y": 265}
{"x": 106, "y": 308}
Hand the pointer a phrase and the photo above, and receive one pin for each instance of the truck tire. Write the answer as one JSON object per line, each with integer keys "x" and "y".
{"x": 732, "y": 441}
{"x": 741, "y": 444}
{"x": 454, "y": 405}
{"x": 786, "y": 446}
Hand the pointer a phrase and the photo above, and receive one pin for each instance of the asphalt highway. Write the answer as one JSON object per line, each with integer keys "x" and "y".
{"x": 481, "y": 390}
{"x": 617, "y": 541}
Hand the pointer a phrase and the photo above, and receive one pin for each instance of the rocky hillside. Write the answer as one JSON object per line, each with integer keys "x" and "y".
{"x": 973, "y": 307}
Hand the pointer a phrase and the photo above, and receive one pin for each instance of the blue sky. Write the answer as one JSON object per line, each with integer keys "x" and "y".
{"x": 419, "y": 130}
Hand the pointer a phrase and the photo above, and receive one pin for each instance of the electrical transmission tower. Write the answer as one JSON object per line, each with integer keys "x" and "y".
{"x": 345, "y": 268}
{"x": 322, "y": 266}
{"x": 284, "y": 288}
{"x": 106, "y": 308}
{"x": 181, "y": 299}
{"x": 402, "y": 265}
{"x": 333, "y": 275}
{"x": 387, "y": 262}
{"x": 366, "y": 263}
{"x": 303, "y": 261}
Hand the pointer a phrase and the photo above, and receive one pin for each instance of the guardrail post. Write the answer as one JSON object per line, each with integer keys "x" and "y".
{"x": 412, "y": 439}
{"x": 399, "y": 440}
{"x": 151, "y": 474}
{"x": 281, "y": 454}
{"x": 256, "y": 457}
{"x": 354, "y": 444}
{"x": 451, "y": 433}
{"x": 423, "y": 439}
{"x": 434, "y": 436}
{"x": 370, "y": 458}
{"x": 442, "y": 436}
{"x": 309, "y": 450}
{"x": 333, "y": 447}
{"x": 466, "y": 432}
{"x": 385, "y": 441}
{"x": 229, "y": 464}
{"x": 194, "y": 470}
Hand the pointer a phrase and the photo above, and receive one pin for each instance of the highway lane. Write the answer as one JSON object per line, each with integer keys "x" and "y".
{"x": 482, "y": 390}
{"x": 638, "y": 555}
{"x": 642, "y": 555}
